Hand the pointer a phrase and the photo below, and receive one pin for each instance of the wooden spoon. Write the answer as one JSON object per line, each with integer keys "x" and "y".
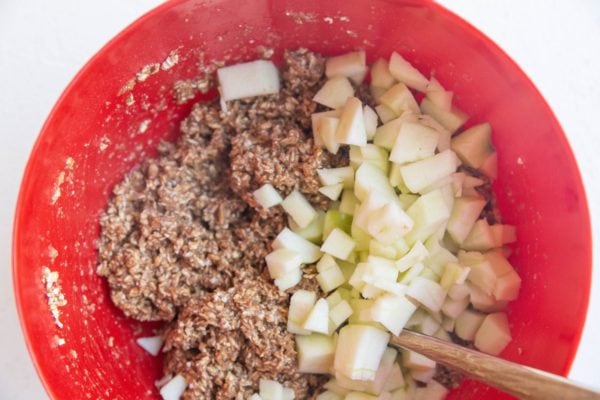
{"x": 521, "y": 381}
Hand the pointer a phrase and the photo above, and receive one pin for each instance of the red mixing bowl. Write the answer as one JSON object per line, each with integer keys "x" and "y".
{"x": 92, "y": 139}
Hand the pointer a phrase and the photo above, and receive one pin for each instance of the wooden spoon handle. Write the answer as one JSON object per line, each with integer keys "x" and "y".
{"x": 521, "y": 381}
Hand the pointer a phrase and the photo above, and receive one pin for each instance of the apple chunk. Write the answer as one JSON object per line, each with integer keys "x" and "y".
{"x": 288, "y": 239}
{"x": 393, "y": 312}
{"x": 424, "y": 173}
{"x": 359, "y": 351}
{"x": 399, "y": 99}
{"x": 494, "y": 334}
{"x": 414, "y": 142}
{"x": 473, "y": 146}
{"x": 301, "y": 303}
{"x": 451, "y": 120}
{"x": 249, "y": 79}
{"x": 315, "y": 353}
{"x": 465, "y": 213}
{"x": 380, "y": 74}
{"x": 334, "y": 92}
{"x": 403, "y": 71}
{"x": 351, "y": 128}
{"x": 348, "y": 65}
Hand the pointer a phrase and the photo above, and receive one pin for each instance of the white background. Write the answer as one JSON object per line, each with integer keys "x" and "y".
{"x": 44, "y": 43}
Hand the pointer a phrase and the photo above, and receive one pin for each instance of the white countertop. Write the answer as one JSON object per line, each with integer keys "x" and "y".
{"x": 44, "y": 43}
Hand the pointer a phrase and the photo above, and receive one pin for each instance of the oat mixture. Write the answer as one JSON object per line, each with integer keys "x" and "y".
{"x": 184, "y": 241}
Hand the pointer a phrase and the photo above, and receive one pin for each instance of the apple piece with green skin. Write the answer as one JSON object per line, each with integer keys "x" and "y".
{"x": 255, "y": 78}
{"x": 414, "y": 142}
{"x": 317, "y": 319}
{"x": 313, "y": 232}
{"x": 404, "y": 72}
{"x": 473, "y": 146}
{"x": 371, "y": 120}
{"x": 465, "y": 213}
{"x": 467, "y": 324}
{"x": 315, "y": 353}
{"x": 380, "y": 74}
{"x": 385, "y": 113}
{"x": 282, "y": 261}
{"x": 429, "y": 213}
{"x": 359, "y": 351}
{"x": 423, "y": 173}
{"x": 351, "y": 128}
{"x": 494, "y": 334}
{"x": 428, "y": 293}
{"x": 267, "y": 196}
{"x": 439, "y": 96}
{"x": 334, "y": 92}
{"x": 349, "y": 64}
{"x": 451, "y": 120}
{"x": 399, "y": 99}
{"x": 393, "y": 312}
{"x": 296, "y": 205}
{"x": 336, "y": 219}
{"x": 288, "y": 239}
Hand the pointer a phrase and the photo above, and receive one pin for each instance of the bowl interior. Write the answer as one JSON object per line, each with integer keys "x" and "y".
{"x": 92, "y": 138}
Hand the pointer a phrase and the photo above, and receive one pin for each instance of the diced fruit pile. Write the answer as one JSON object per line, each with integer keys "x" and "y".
{"x": 404, "y": 244}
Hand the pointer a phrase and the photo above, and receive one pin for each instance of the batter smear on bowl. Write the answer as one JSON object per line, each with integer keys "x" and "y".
{"x": 304, "y": 218}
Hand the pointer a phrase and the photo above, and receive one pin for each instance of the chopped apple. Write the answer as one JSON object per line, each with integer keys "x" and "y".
{"x": 296, "y": 205}
{"x": 359, "y": 396}
{"x": 315, "y": 353}
{"x": 301, "y": 303}
{"x": 371, "y": 181}
{"x": 380, "y": 74}
{"x": 490, "y": 166}
{"x": 327, "y": 130}
{"x": 349, "y": 64}
{"x": 288, "y": 394}
{"x": 465, "y": 213}
{"x": 151, "y": 344}
{"x": 339, "y": 244}
{"x": 375, "y": 155}
{"x": 351, "y": 129}
{"x": 429, "y": 213}
{"x": 335, "y": 386}
{"x": 483, "y": 276}
{"x": 458, "y": 291}
{"x": 386, "y": 364}
{"x": 445, "y": 135}
{"x": 331, "y": 176}
{"x": 481, "y": 237}
{"x": 289, "y": 280}
{"x": 433, "y": 391}
{"x": 267, "y": 196}
{"x": 282, "y": 261}
{"x": 494, "y": 334}
{"x": 385, "y": 113}
{"x": 413, "y": 143}
{"x": 255, "y": 396}
{"x": 329, "y": 395}
{"x": 467, "y": 324}
{"x": 270, "y": 390}
{"x": 386, "y": 134}
{"x": 485, "y": 302}
{"x": 336, "y": 219}
{"x": 410, "y": 274}
{"x": 317, "y": 319}
{"x": 453, "y": 308}
{"x": 439, "y": 96}
{"x": 332, "y": 192}
{"x": 395, "y": 379}
{"x": 416, "y": 361}
{"x": 416, "y": 255}
{"x": 330, "y": 278}
{"x": 370, "y": 117}
{"x": 314, "y": 230}
{"x": 316, "y": 124}
{"x": 340, "y": 313}
{"x": 442, "y": 334}
{"x": 503, "y": 234}
{"x": 403, "y": 71}
{"x": 359, "y": 351}
{"x": 473, "y": 146}
{"x": 350, "y": 385}
{"x": 454, "y": 273}
{"x": 424, "y": 173}
{"x": 428, "y": 293}
{"x": 349, "y": 202}
{"x": 173, "y": 390}
{"x": 393, "y": 312}
{"x": 389, "y": 223}
{"x": 451, "y": 120}
{"x": 255, "y": 78}
{"x": 288, "y": 239}
{"x": 507, "y": 287}
{"x": 399, "y": 99}
{"x": 471, "y": 181}
{"x": 334, "y": 92}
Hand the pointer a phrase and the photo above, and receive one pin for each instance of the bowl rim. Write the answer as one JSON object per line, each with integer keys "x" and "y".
{"x": 434, "y": 6}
